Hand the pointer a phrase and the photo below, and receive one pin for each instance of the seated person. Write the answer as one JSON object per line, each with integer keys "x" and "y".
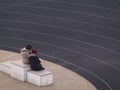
{"x": 34, "y": 61}
{"x": 25, "y": 52}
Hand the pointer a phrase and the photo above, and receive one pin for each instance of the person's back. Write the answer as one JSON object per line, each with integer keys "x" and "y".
{"x": 25, "y": 52}
{"x": 34, "y": 61}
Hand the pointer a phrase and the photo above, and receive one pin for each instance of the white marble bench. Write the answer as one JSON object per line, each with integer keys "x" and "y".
{"x": 5, "y": 67}
{"x": 19, "y": 70}
{"x": 23, "y": 72}
{"x": 40, "y": 78}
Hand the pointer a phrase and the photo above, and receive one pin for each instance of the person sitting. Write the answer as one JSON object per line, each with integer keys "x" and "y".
{"x": 25, "y": 52}
{"x": 34, "y": 61}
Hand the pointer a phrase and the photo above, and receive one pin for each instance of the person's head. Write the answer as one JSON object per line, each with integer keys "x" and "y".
{"x": 29, "y": 47}
{"x": 34, "y": 52}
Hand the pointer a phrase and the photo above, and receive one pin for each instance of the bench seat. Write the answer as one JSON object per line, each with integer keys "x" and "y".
{"x": 19, "y": 70}
{"x": 5, "y": 67}
{"x": 40, "y": 78}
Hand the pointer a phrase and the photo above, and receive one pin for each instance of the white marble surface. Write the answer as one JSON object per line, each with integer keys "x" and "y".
{"x": 19, "y": 70}
{"x": 20, "y": 63}
{"x": 5, "y": 67}
{"x": 40, "y": 78}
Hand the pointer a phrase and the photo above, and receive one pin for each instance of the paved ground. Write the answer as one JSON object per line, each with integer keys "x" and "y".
{"x": 64, "y": 79}
{"x": 81, "y": 35}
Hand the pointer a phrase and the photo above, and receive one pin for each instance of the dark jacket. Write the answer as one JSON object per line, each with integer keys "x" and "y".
{"x": 35, "y": 63}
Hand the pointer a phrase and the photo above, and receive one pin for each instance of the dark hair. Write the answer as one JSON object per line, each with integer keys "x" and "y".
{"x": 29, "y": 47}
